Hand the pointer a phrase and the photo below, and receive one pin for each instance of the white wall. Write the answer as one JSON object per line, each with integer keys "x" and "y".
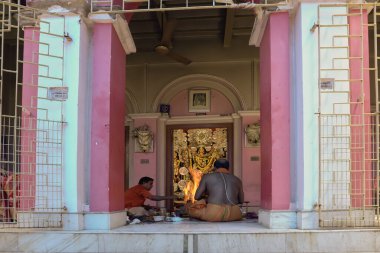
{"x": 310, "y": 57}
{"x": 66, "y": 65}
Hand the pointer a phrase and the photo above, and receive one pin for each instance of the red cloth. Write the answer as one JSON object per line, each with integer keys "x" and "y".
{"x": 7, "y": 201}
{"x": 136, "y": 196}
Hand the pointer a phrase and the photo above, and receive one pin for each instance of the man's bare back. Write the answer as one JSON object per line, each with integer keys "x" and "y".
{"x": 221, "y": 188}
{"x": 224, "y": 191}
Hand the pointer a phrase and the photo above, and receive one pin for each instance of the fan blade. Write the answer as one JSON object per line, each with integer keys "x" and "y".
{"x": 162, "y": 49}
{"x": 178, "y": 58}
{"x": 168, "y": 30}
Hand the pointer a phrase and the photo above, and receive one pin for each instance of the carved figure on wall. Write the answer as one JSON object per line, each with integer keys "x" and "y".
{"x": 253, "y": 133}
{"x": 144, "y": 137}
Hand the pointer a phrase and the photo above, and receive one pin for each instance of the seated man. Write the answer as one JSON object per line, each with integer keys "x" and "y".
{"x": 224, "y": 192}
{"x": 136, "y": 196}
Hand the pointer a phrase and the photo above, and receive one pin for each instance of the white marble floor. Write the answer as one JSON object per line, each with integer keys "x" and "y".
{"x": 194, "y": 227}
{"x": 246, "y": 236}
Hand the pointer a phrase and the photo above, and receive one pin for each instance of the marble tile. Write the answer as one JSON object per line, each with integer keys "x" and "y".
{"x": 270, "y": 243}
{"x": 186, "y": 226}
{"x": 332, "y": 241}
{"x": 240, "y": 227}
{"x": 241, "y": 243}
{"x": 94, "y": 221}
{"x": 58, "y": 242}
{"x": 278, "y": 219}
{"x": 73, "y": 221}
{"x": 377, "y": 241}
{"x": 307, "y": 220}
{"x": 220, "y": 243}
{"x": 136, "y": 243}
{"x": 193, "y": 237}
{"x": 9, "y": 242}
{"x": 359, "y": 242}
{"x": 299, "y": 242}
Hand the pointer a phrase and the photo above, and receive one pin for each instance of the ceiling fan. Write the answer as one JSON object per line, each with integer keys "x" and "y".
{"x": 165, "y": 45}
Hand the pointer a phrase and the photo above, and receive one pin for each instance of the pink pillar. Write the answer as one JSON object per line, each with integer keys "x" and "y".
{"x": 361, "y": 170}
{"x": 275, "y": 113}
{"x": 107, "y": 126}
{"x": 27, "y": 187}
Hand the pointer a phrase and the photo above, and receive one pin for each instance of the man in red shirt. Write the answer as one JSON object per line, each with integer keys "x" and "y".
{"x": 136, "y": 196}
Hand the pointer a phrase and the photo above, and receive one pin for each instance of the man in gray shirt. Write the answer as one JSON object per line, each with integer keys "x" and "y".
{"x": 224, "y": 192}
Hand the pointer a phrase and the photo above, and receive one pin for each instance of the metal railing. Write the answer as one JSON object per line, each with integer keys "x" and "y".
{"x": 348, "y": 129}
{"x": 31, "y": 66}
{"x": 108, "y": 6}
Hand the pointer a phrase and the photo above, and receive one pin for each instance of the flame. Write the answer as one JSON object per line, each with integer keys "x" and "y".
{"x": 192, "y": 187}
{"x": 187, "y": 191}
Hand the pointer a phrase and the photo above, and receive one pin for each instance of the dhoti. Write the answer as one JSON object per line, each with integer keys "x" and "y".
{"x": 214, "y": 212}
{"x": 137, "y": 211}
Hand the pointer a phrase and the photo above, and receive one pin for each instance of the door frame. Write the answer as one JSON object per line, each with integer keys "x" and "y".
{"x": 169, "y": 149}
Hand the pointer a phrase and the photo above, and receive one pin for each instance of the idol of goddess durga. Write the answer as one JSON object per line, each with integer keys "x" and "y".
{"x": 201, "y": 161}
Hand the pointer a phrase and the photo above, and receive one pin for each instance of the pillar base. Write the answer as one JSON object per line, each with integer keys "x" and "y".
{"x": 278, "y": 219}
{"x": 104, "y": 220}
{"x": 307, "y": 220}
{"x": 73, "y": 221}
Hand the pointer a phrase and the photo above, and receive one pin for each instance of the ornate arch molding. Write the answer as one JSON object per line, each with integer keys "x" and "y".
{"x": 204, "y": 81}
{"x": 131, "y": 102}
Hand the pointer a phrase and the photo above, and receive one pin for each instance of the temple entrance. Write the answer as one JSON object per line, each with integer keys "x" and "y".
{"x": 192, "y": 153}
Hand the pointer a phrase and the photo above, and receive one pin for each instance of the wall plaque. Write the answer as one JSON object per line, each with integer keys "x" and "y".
{"x": 58, "y": 93}
{"x": 327, "y": 83}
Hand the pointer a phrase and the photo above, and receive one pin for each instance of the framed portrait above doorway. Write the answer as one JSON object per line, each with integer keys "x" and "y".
{"x": 199, "y": 100}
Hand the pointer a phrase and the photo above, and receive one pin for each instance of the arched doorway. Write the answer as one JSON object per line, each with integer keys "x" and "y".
{"x": 230, "y": 120}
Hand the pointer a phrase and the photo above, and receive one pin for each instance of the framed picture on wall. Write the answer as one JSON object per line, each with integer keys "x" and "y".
{"x": 199, "y": 100}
